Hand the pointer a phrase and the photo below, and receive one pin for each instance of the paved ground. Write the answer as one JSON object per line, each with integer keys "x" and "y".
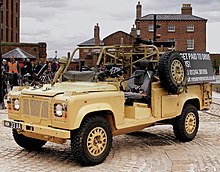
{"x": 153, "y": 149}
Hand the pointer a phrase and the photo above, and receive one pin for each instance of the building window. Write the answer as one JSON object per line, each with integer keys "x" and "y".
{"x": 171, "y": 28}
{"x": 2, "y": 34}
{"x": 7, "y": 35}
{"x": 85, "y": 50}
{"x": 7, "y": 20}
{"x": 16, "y": 22}
{"x": 2, "y": 17}
{"x": 17, "y": 37}
{"x": 7, "y": 5}
{"x": 151, "y": 28}
{"x": 17, "y": 7}
{"x": 12, "y": 36}
{"x": 12, "y": 7}
{"x": 190, "y": 44}
{"x": 190, "y": 28}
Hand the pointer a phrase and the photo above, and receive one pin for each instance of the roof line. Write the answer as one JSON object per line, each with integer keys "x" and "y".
{"x": 19, "y": 50}
{"x": 169, "y": 17}
{"x": 117, "y": 32}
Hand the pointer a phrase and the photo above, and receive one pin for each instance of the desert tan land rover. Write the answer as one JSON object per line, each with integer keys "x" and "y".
{"x": 132, "y": 87}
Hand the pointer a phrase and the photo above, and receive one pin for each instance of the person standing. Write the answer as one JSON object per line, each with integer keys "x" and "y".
{"x": 37, "y": 67}
{"x": 13, "y": 70}
{"x": 4, "y": 77}
{"x": 54, "y": 66}
{"x": 4, "y": 66}
{"x": 28, "y": 67}
{"x": 21, "y": 62}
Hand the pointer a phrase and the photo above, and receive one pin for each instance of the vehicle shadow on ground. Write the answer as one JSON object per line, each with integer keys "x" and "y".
{"x": 56, "y": 153}
{"x": 151, "y": 139}
{"x": 62, "y": 153}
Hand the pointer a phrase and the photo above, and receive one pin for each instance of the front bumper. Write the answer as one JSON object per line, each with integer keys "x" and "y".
{"x": 42, "y": 130}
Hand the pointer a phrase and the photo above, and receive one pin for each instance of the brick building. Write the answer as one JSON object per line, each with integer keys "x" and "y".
{"x": 10, "y": 32}
{"x": 38, "y": 50}
{"x": 118, "y": 38}
{"x": 10, "y": 21}
{"x": 89, "y": 56}
{"x": 186, "y": 29}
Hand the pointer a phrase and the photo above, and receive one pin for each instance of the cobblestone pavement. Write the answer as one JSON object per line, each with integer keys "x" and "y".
{"x": 153, "y": 149}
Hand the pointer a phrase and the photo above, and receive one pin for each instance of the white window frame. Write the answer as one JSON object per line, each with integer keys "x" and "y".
{"x": 171, "y": 28}
{"x": 190, "y": 44}
{"x": 151, "y": 28}
{"x": 85, "y": 50}
{"x": 190, "y": 28}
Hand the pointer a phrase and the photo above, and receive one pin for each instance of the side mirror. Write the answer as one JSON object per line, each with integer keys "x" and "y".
{"x": 139, "y": 77}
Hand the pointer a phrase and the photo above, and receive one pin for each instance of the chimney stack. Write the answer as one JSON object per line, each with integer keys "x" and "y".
{"x": 97, "y": 35}
{"x": 133, "y": 32}
{"x": 138, "y": 10}
{"x": 186, "y": 9}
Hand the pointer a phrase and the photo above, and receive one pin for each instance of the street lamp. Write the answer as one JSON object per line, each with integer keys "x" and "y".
{"x": 1, "y": 84}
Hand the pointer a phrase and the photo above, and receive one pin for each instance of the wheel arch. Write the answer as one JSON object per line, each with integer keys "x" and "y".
{"x": 195, "y": 102}
{"x": 106, "y": 112}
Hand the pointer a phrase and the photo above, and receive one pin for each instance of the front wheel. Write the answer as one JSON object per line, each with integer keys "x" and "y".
{"x": 27, "y": 142}
{"x": 186, "y": 125}
{"x": 91, "y": 143}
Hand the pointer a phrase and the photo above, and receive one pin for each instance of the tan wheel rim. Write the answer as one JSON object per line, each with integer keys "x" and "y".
{"x": 177, "y": 71}
{"x": 190, "y": 123}
{"x": 97, "y": 141}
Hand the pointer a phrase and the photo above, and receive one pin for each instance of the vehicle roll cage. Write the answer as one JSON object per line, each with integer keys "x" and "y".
{"x": 126, "y": 56}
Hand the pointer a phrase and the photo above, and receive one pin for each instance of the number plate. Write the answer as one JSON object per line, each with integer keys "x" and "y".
{"x": 13, "y": 125}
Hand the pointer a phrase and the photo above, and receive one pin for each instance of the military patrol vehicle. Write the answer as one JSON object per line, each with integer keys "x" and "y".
{"x": 131, "y": 88}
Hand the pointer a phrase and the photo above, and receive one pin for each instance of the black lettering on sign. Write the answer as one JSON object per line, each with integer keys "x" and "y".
{"x": 198, "y": 66}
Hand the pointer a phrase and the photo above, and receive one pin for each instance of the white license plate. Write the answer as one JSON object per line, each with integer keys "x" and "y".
{"x": 13, "y": 125}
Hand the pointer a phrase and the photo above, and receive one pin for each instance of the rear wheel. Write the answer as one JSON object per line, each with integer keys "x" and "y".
{"x": 92, "y": 142}
{"x": 27, "y": 142}
{"x": 186, "y": 125}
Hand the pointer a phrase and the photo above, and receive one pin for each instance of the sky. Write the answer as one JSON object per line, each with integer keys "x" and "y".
{"x": 63, "y": 24}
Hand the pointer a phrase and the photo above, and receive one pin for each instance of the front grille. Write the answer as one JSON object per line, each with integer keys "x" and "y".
{"x": 26, "y": 107}
{"x": 33, "y": 107}
{"x": 44, "y": 110}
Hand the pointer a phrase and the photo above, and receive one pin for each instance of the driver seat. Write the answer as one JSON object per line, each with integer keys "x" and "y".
{"x": 140, "y": 92}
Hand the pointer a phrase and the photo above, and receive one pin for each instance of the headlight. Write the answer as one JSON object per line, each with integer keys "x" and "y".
{"x": 16, "y": 104}
{"x": 59, "y": 110}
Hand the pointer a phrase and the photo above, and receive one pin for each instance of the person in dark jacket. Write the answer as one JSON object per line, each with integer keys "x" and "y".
{"x": 22, "y": 63}
{"x": 28, "y": 67}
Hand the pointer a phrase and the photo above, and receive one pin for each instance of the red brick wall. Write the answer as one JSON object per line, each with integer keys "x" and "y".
{"x": 115, "y": 39}
{"x": 89, "y": 56}
{"x": 84, "y": 52}
{"x": 11, "y": 21}
{"x": 39, "y": 50}
{"x": 180, "y": 35}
